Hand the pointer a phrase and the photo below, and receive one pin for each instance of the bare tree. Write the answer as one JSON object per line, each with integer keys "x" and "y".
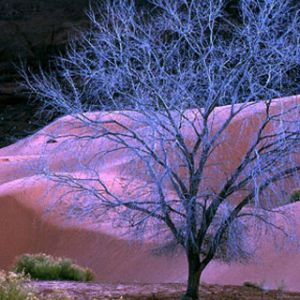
{"x": 165, "y": 73}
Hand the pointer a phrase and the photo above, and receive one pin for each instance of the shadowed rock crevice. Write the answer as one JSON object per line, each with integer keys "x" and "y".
{"x": 31, "y": 31}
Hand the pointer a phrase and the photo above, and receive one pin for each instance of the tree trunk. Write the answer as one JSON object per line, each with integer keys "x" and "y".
{"x": 194, "y": 270}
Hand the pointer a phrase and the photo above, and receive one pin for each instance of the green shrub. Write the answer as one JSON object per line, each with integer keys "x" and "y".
{"x": 46, "y": 267}
{"x": 12, "y": 287}
{"x": 295, "y": 195}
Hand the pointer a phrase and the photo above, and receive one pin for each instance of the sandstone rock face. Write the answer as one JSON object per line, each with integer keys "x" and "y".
{"x": 35, "y": 216}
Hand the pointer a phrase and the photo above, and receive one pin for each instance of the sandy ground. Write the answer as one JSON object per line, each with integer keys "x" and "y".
{"x": 81, "y": 291}
{"x": 27, "y": 194}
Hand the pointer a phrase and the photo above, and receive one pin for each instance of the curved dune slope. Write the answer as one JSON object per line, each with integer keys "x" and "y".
{"x": 26, "y": 225}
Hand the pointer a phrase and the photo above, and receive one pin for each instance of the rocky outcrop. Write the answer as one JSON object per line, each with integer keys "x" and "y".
{"x": 31, "y": 31}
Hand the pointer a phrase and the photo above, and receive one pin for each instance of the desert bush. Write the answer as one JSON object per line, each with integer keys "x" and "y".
{"x": 12, "y": 287}
{"x": 46, "y": 267}
{"x": 295, "y": 195}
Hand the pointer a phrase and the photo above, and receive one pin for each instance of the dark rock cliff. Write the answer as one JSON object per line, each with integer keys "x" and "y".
{"x": 30, "y": 31}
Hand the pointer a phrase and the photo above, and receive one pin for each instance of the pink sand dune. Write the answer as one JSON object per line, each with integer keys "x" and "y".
{"x": 26, "y": 193}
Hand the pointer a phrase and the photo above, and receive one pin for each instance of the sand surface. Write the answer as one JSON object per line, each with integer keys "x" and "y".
{"x": 34, "y": 214}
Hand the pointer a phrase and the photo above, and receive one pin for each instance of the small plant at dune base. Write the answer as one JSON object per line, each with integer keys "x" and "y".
{"x": 46, "y": 267}
{"x": 295, "y": 195}
{"x": 281, "y": 287}
{"x": 12, "y": 287}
